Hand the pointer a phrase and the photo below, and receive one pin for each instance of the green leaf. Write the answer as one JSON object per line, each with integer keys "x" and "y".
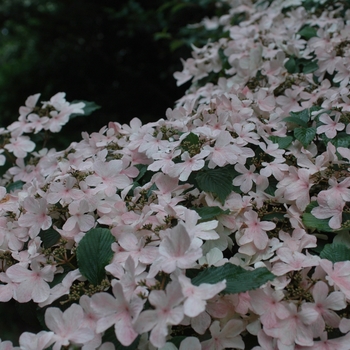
{"x": 238, "y": 280}
{"x": 277, "y": 216}
{"x": 296, "y": 120}
{"x": 217, "y": 181}
{"x": 283, "y": 142}
{"x": 210, "y": 213}
{"x": 310, "y": 67}
{"x": 88, "y": 108}
{"x": 142, "y": 171}
{"x": 291, "y": 66}
{"x": 17, "y": 185}
{"x": 341, "y": 140}
{"x": 190, "y": 140}
{"x": 94, "y": 252}
{"x": 305, "y": 135}
{"x": 335, "y": 252}
{"x": 49, "y": 237}
{"x": 312, "y": 222}
{"x": 303, "y": 115}
{"x": 307, "y": 32}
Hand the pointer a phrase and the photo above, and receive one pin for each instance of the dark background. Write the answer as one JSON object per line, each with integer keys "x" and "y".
{"x": 119, "y": 54}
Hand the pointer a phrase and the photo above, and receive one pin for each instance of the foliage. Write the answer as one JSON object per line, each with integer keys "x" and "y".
{"x": 224, "y": 225}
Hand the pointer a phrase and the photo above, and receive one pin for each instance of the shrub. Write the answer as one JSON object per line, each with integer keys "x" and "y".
{"x": 224, "y": 225}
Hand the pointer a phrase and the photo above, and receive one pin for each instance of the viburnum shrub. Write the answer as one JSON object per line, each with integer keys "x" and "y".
{"x": 224, "y": 225}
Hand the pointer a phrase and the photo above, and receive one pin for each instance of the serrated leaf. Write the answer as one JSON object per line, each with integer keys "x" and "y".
{"x": 94, "y": 252}
{"x": 210, "y": 213}
{"x": 283, "y": 142}
{"x": 335, "y": 252}
{"x": 88, "y": 108}
{"x": 217, "y": 181}
{"x": 238, "y": 280}
{"x": 307, "y": 32}
{"x": 305, "y": 135}
{"x": 310, "y": 67}
{"x": 17, "y": 185}
{"x": 312, "y": 222}
{"x": 49, "y": 237}
{"x": 295, "y": 120}
{"x": 303, "y": 115}
{"x": 341, "y": 140}
{"x": 291, "y": 66}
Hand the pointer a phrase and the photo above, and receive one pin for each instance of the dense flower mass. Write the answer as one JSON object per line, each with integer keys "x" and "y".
{"x": 223, "y": 226}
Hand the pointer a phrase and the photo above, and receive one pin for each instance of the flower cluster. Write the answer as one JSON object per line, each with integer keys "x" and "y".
{"x": 224, "y": 225}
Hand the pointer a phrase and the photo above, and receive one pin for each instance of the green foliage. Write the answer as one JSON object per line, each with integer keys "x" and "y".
{"x": 13, "y": 186}
{"x": 305, "y": 135}
{"x": 312, "y": 222}
{"x": 341, "y": 140}
{"x": 49, "y": 237}
{"x": 217, "y": 181}
{"x": 94, "y": 253}
{"x": 283, "y": 142}
{"x": 335, "y": 252}
{"x": 210, "y": 213}
{"x": 307, "y": 32}
{"x": 238, "y": 280}
{"x": 300, "y": 118}
{"x": 300, "y": 65}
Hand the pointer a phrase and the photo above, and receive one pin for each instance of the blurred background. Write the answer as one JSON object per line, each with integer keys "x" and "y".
{"x": 120, "y": 54}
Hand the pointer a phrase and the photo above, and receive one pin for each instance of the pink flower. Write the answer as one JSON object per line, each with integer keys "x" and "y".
{"x": 223, "y": 152}
{"x": 20, "y": 146}
{"x": 292, "y": 261}
{"x": 35, "y": 217}
{"x": 60, "y": 117}
{"x": 163, "y": 161}
{"x": 135, "y": 248}
{"x": 324, "y": 305}
{"x": 62, "y": 288}
{"x": 32, "y": 283}
{"x": 298, "y": 190}
{"x": 64, "y": 192}
{"x": 227, "y": 337}
{"x": 184, "y": 169}
{"x": 331, "y": 126}
{"x": 329, "y": 207}
{"x": 338, "y": 275}
{"x": 294, "y": 329}
{"x": 167, "y": 311}
{"x": 265, "y": 103}
{"x": 121, "y": 311}
{"x": 78, "y": 211}
{"x": 268, "y": 304}
{"x": 245, "y": 181}
{"x": 177, "y": 249}
{"x": 196, "y": 296}
{"x": 255, "y": 230}
{"x": 340, "y": 343}
{"x": 108, "y": 177}
{"x": 290, "y": 101}
{"x": 67, "y": 326}
{"x": 40, "y": 341}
